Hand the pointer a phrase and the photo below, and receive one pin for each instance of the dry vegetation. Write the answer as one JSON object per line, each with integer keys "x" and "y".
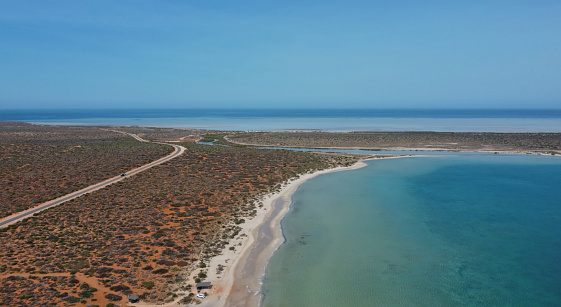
{"x": 144, "y": 234}
{"x": 157, "y": 134}
{"x": 40, "y": 163}
{"x": 549, "y": 143}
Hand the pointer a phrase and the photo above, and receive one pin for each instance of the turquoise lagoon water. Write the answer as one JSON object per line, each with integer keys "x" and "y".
{"x": 458, "y": 230}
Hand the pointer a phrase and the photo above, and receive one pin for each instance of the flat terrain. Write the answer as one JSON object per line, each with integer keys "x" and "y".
{"x": 19, "y": 216}
{"x": 158, "y": 134}
{"x": 145, "y": 234}
{"x": 544, "y": 143}
{"x": 39, "y": 163}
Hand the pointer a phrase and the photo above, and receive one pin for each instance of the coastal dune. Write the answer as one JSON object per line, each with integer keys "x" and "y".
{"x": 240, "y": 282}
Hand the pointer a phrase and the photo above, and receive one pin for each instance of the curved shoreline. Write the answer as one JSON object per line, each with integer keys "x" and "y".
{"x": 240, "y": 284}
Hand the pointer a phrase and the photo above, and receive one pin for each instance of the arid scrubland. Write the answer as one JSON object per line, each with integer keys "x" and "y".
{"x": 547, "y": 143}
{"x": 159, "y": 134}
{"x": 145, "y": 234}
{"x": 39, "y": 163}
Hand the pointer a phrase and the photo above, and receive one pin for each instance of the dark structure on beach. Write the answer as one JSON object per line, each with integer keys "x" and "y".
{"x": 203, "y": 285}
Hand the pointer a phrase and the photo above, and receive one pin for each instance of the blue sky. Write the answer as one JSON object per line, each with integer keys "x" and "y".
{"x": 365, "y": 54}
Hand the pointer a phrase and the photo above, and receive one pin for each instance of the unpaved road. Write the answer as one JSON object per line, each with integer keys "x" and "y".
{"x": 14, "y": 218}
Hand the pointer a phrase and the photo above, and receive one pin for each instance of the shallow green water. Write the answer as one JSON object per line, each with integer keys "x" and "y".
{"x": 443, "y": 231}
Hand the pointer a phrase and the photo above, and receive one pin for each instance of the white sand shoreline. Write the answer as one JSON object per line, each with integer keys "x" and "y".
{"x": 240, "y": 282}
{"x": 233, "y": 286}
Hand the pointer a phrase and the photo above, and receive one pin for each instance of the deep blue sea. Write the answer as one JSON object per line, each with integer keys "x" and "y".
{"x": 452, "y": 230}
{"x": 477, "y": 120}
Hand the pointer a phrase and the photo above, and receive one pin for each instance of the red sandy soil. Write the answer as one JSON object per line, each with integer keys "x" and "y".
{"x": 39, "y": 163}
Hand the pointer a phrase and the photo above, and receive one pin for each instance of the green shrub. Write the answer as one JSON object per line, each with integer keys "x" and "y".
{"x": 160, "y": 271}
{"x": 148, "y": 284}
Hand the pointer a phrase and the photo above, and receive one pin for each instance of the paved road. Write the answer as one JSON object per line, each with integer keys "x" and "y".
{"x": 24, "y": 214}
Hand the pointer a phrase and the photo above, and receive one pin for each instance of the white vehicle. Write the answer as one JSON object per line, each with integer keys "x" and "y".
{"x": 201, "y": 295}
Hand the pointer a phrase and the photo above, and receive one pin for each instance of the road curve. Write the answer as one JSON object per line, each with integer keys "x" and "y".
{"x": 16, "y": 217}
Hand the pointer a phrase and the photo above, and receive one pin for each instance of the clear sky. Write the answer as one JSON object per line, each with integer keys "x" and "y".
{"x": 366, "y": 54}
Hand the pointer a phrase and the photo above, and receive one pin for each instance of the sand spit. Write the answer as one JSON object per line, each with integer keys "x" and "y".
{"x": 429, "y": 145}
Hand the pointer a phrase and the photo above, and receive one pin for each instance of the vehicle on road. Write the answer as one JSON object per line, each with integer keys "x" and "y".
{"x": 123, "y": 175}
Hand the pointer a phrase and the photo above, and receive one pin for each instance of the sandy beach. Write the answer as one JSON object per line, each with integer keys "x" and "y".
{"x": 236, "y": 274}
{"x": 239, "y": 283}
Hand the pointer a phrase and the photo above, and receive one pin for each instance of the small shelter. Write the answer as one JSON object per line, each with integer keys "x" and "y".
{"x": 203, "y": 285}
{"x": 133, "y": 298}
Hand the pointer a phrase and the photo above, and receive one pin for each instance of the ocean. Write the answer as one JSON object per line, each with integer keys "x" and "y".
{"x": 452, "y": 230}
{"x": 454, "y": 120}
